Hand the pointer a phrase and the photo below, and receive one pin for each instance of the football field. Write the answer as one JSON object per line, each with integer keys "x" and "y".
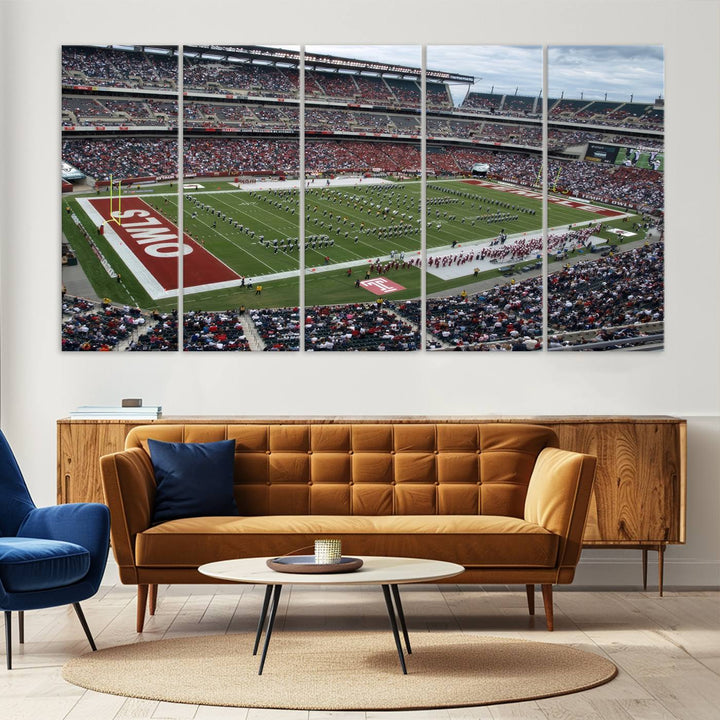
{"x": 235, "y": 233}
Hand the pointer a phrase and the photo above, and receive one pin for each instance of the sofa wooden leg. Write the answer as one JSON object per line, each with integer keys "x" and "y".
{"x": 547, "y": 593}
{"x": 141, "y": 605}
{"x": 530, "y": 590}
{"x": 152, "y": 598}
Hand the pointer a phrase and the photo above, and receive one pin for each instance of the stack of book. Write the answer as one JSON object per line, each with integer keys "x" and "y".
{"x": 116, "y": 412}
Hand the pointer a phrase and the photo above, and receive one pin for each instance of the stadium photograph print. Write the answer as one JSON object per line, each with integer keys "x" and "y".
{"x": 362, "y": 198}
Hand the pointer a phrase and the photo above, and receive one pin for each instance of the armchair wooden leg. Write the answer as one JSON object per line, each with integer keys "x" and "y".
{"x": 530, "y": 590}
{"x": 141, "y": 605}
{"x": 83, "y": 622}
{"x": 21, "y": 626}
{"x": 152, "y": 597}
{"x": 547, "y": 593}
{"x": 8, "y": 638}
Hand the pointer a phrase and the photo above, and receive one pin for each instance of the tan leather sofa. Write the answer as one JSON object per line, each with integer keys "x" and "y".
{"x": 500, "y": 499}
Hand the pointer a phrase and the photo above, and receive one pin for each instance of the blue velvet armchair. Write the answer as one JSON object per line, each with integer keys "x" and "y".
{"x": 48, "y": 556}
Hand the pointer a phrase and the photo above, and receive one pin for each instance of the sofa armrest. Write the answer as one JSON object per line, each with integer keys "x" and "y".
{"x": 129, "y": 488}
{"x": 558, "y": 498}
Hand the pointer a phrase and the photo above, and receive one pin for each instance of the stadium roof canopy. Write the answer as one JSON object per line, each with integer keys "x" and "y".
{"x": 314, "y": 61}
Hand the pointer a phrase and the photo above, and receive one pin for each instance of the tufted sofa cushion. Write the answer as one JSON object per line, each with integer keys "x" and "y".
{"x": 373, "y": 469}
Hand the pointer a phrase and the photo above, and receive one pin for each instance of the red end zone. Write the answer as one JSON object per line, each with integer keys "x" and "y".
{"x": 153, "y": 239}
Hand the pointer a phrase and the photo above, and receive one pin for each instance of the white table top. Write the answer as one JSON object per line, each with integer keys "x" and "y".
{"x": 375, "y": 571}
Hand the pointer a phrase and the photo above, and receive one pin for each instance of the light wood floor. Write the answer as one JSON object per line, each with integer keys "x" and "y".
{"x": 667, "y": 649}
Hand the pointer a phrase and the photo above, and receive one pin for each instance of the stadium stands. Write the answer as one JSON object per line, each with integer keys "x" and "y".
{"x": 105, "y": 67}
{"x": 358, "y": 326}
{"x": 206, "y": 331}
{"x": 130, "y": 157}
{"x": 87, "y": 325}
{"x": 619, "y": 290}
{"x": 612, "y": 296}
{"x": 122, "y": 157}
{"x": 279, "y": 328}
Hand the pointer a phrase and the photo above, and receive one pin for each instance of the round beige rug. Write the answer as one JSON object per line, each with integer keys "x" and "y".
{"x": 340, "y": 671}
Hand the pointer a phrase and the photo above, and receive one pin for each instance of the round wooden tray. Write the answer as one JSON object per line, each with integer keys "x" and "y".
{"x": 307, "y": 564}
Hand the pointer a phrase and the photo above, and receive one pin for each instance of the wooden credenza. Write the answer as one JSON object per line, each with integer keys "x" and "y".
{"x": 640, "y": 485}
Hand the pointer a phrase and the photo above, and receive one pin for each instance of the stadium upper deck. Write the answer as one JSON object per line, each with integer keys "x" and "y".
{"x": 265, "y": 74}
{"x": 646, "y": 116}
{"x": 359, "y": 116}
{"x": 84, "y": 113}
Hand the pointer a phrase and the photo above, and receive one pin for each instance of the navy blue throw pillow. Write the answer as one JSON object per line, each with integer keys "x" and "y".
{"x": 193, "y": 479}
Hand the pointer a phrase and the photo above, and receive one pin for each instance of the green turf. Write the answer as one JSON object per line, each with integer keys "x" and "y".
{"x": 364, "y": 222}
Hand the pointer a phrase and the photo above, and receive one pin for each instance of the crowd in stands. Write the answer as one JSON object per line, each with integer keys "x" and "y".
{"x": 84, "y": 65}
{"x": 358, "y": 326}
{"x": 611, "y": 114}
{"x": 237, "y": 155}
{"x": 257, "y": 79}
{"x": 87, "y": 325}
{"x": 128, "y": 157}
{"x": 122, "y": 157}
{"x": 103, "y": 326}
{"x": 161, "y": 335}
{"x": 213, "y": 331}
{"x": 506, "y": 313}
{"x": 279, "y": 328}
{"x": 333, "y": 85}
{"x": 617, "y": 290}
{"x": 87, "y": 111}
{"x": 107, "y": 67}
{"x": 627, "y": 186}
{"x": 438, "y": 96}
{"x": 616, "y": 297}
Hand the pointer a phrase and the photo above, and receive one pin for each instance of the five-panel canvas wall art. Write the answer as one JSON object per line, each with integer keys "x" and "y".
{"x": 362, "y": 198}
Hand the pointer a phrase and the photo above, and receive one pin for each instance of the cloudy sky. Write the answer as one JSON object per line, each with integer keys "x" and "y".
{"x": 618, "y": 70}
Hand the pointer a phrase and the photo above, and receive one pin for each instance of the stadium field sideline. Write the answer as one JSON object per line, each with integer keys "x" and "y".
{"x": 255, "y": 234}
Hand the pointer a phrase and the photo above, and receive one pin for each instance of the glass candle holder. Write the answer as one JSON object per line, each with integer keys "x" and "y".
{"x": 328, "y": 552}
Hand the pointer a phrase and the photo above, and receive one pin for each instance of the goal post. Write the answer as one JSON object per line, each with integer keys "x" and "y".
{"x": 115, "y": 217}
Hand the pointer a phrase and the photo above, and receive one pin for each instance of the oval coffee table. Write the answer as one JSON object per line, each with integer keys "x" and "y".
{"x": 388, "y": 572}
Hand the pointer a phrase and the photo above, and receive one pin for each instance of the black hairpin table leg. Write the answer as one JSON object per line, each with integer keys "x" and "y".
{"x": 401, "y": 617}
{"x": 271, "y": 622}
{"x": 393, "y": 625}
{"x": 263, "y": 615}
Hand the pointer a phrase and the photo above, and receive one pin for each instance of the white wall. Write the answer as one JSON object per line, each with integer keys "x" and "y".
{"x": 40, "y": 384}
